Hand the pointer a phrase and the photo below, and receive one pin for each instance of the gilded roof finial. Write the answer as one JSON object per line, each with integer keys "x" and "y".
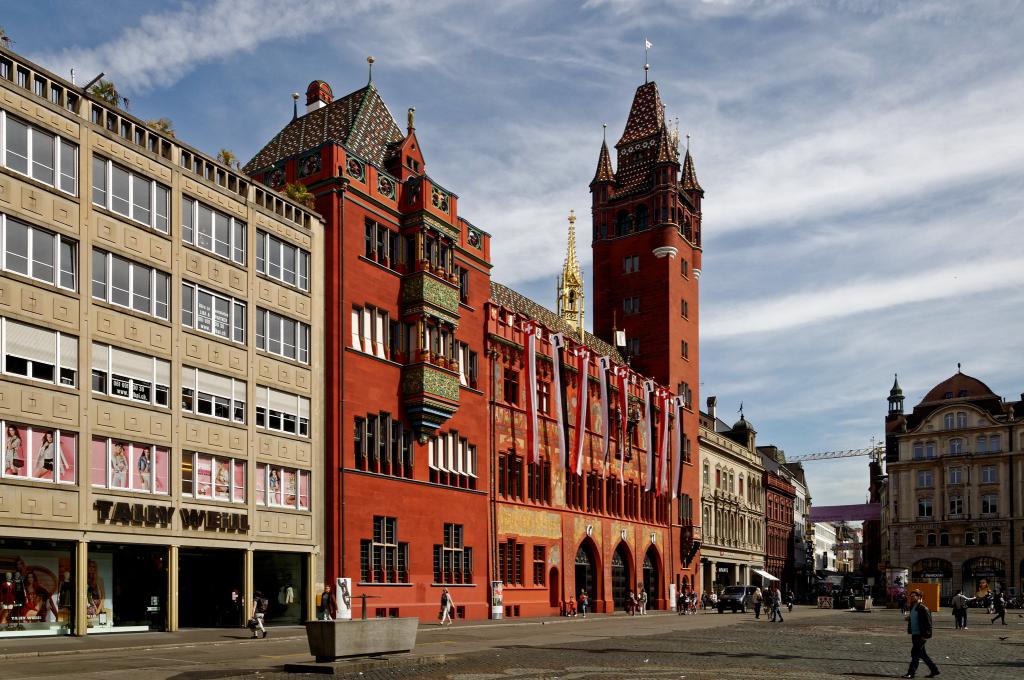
{"x": 570, "y": 283}
{"x": 412, "y": 113}
{"x": 369, "y": 60}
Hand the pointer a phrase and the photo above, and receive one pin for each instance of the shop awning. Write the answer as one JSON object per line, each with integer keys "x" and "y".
{"x": 765, "y": 574}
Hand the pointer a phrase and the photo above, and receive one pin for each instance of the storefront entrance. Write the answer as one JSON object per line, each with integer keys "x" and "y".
{"x": 620, "y": 576}
{"x": 206, "y": 579}
{"x": 126, "y": 588}
{"x": 983, "y": 575}
{"x": 281, "y": 577}
{"x": 37, "y": 592}
{"x": 934, "y": 570}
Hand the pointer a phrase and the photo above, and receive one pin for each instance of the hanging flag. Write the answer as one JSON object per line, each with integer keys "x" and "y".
{"x": 647, "y": 44}
{"x": 582, "y": 366}
{"x": 678, "y": 405}
{"x": 532, "y": 438}
{"x": 602, "y": 364}
{"x": 665, "y": 442}
{"x": 557, "y": 342}
{"x": 648, "y": 390}
{"x": 623, "y": 374}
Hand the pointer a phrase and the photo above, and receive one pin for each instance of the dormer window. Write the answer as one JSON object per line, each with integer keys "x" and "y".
{"x": 947, "y": 395}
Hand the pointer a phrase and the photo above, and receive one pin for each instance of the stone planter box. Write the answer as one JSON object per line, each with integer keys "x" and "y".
{"x": 329, "y": 640}
{"x": 862, "y": 604}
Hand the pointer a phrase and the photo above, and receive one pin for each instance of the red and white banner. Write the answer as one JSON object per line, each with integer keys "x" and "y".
{"x": 664, "y": 441}
{"x": 582, "y": 389}
{"x": 557, "y": 342}
{"x": 532, "y": 438}
{"x": 677, "y": 404}
{"x": 649, "y": 389}
{"x": 623, "y": 424}
{"x": 603, "y": 364}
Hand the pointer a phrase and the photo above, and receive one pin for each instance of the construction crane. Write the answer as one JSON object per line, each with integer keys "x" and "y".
{"x": 877, "y": 452}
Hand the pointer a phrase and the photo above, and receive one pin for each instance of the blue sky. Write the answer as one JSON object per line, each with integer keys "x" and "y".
{"x": 861, "y": 161}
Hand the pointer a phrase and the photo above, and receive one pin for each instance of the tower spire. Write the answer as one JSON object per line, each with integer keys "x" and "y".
{"x": 570, "y": 283}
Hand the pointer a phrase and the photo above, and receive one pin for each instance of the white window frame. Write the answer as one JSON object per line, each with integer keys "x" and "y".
{"x": 263, "y": 475}
{"x": 265, "y": 319}
{"x": 153, "y": 193}
{"x": 991, "y": 501}
{"x": 58, "y": 142}
{"x": 237, "y": 241}
{"x": 108, "y": 475}
{"x": 236, "y": 401}
{"x": 267, "y": 243}
{"x": 58, "y": 366}
{"x": 58, "y": 457}
{"x": 58, "y": 264}
{"x": 267, "y": 395}
{"x": 236, "y": 317}
{"x": 234, "y": 496}
{"x": 154, "y": 378}
{"x": 956, "y": 475}
{"x": 925, "y": 478}
{"x": 989, "y": 474}
{"x": 136, "y": 271}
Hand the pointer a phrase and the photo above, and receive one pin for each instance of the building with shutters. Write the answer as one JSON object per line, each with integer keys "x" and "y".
{"x": 160, "y": 320}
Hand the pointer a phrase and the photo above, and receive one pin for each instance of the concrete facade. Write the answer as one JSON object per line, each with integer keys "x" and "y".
{"x": 162, "y": 424}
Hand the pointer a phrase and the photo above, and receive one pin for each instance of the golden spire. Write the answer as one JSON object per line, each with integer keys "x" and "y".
{"x": 570, "y": 283}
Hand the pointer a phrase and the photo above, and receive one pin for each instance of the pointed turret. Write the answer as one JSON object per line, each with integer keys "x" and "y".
{"x": 604, "y": 167}
{"x": 570, "y": 282}
{"x": 896, "y": 397}
{"x": 690, "y": 182}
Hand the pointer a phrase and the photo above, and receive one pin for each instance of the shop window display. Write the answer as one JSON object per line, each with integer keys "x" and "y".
{"x": 126, "y": 588}
{"x": 213, "y": 478}
{"x": 39, "y": 454}
{"x": 280, "y": 576}
{"x": 281, "y": 487}
{"x": 121, "y": 465}
{"x": 36, "y": 588}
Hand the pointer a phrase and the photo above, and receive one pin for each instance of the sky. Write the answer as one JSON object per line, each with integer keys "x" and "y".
{"x": 862, "y": 161}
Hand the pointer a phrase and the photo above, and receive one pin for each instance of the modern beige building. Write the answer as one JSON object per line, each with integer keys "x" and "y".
{"x": 732, "y": 503}
{"x": 161, "y": 324}
{"x": 956, "y": 476}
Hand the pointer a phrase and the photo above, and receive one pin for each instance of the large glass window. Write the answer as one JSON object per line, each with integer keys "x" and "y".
{"x": 280, "y": 335}
{"x": 122, "y": 464}
{"x": 39, "y": 353}
{"x": 38, "y": 253}
{"x": 453, "y": 562}
{"x": 989, "y": 474}
{"x": 39, "y": 578}
{"x": 130, "y": 194}
{"x": 213, "y": 231}
{"x": 282, "y": 487}
{"x": 210, "y": 312}
{"x": 209, "y": 477}
{"x": 211, "y": 394}
{"x": 129, "y": 375}
{"x": 41, "y": 454}
{"x": 282, "y": 261}
{"x": 989, "y": 504}
{"x": 281, "y": 411}
{"x": 38, "y": 154}
{"x": 383, "y": 559}
{"x": 120, "y": 281}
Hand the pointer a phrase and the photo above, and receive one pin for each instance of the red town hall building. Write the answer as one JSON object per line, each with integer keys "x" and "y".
{"x": 436, "y": 474}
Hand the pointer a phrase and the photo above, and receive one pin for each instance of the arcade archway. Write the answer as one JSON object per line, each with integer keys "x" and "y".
{"x": 622, "y": 577}
{"x": 652, "y": 577}
{"x": 588, "y": 570}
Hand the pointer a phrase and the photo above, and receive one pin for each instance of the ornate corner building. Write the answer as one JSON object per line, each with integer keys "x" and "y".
{"x": 954, "y": 501}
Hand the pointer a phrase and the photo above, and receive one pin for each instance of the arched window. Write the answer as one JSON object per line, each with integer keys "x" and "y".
{"x": 931, "y": 539}
{"x": 640, "y": 217}
{"x": 947, "y": 421}
{"x": 956, "y": 447}
{"x": 961, "y": 419}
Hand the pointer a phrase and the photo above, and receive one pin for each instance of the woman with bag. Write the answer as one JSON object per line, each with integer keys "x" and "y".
{"x": 446, "y": 606}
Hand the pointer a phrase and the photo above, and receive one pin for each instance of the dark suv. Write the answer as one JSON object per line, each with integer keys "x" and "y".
{"x": 736, "y": 598}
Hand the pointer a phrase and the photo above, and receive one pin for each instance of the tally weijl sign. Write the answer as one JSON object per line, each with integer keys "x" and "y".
{"x": 139, "y": 514}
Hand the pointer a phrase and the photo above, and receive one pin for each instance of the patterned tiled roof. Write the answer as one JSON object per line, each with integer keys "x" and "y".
{"x": 360, "y": 120}
{"x": 690, "y": 174}
{"x": 604, "y": 166}
{"x": 510, "y": 299}
{"x": 646, "y": 116}
{"x": 644, "y": 142}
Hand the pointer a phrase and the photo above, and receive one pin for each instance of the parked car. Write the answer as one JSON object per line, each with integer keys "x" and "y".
{"x": 736, "y": 598}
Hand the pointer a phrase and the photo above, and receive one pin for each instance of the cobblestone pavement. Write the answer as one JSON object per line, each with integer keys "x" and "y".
{"x": 809, "y": 644}
{"x": 834, "y": 645}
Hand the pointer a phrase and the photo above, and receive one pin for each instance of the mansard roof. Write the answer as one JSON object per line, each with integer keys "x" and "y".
{"x": 519, "y": 303}
{"x": 360, "y": 121}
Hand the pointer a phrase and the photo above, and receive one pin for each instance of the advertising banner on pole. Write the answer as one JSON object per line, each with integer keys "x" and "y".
{"x": 497, "y": 600}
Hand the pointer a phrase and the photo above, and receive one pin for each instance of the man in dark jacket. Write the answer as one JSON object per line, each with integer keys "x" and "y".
{"x": 919, "y": 627}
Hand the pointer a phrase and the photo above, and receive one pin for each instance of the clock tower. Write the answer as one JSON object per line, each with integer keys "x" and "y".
{"x": 647, "y": 247}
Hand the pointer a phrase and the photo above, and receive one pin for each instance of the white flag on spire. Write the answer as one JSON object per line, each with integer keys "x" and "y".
{"x": 647, "y": 44}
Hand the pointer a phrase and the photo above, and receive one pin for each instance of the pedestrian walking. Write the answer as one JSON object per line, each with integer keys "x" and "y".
{"x": 584, "y": 601}
{"x": 260, "y": 605}
{"x": 919, "y": 627}
{"x": 790, "y": 599}
{"x": 328, "y": 608}
{"x": 999, "y": 602}
{"x": 901, "y": 600}
{"x": 681, "y": 603}
{"x": 447, "y": 605}
{"x": 643, "y": 601}
{"x": 960, "y": 609}
{"x": 758, "y": 599}
{"x": 570, "y": 607}
{"x": 631, "y": 604}
{"x": 776, "y": 604}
